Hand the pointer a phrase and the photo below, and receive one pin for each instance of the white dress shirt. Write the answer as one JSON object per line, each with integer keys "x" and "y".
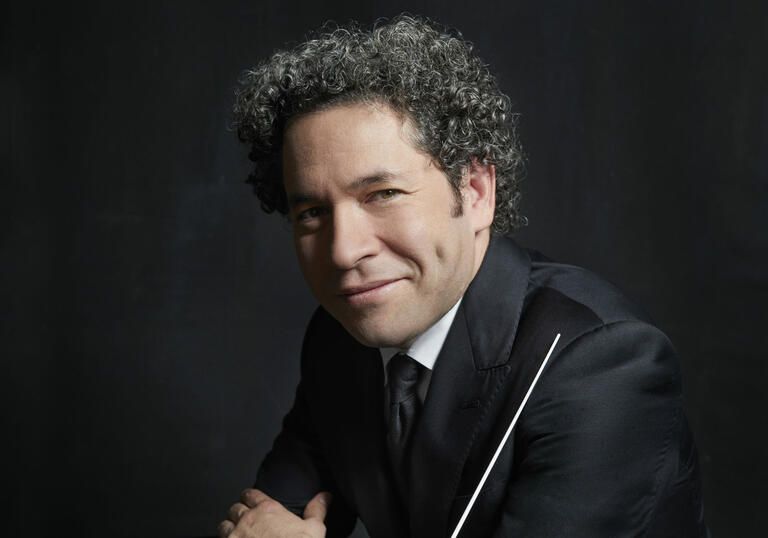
{"x": 424, "y": 350}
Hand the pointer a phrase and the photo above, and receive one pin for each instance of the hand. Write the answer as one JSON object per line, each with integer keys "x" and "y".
{"x": 257, "y": 515}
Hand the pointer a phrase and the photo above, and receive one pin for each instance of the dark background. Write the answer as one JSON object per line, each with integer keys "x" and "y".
{"x": 152, "y": 315}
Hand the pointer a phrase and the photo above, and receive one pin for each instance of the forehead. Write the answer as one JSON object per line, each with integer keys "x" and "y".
{"x": 369, "y": 119}
{"x": 348, "y": 140}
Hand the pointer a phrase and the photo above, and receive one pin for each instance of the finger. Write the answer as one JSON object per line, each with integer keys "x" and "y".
{"x": 225, "y": 527}
{"x": 236, "y": 511}
{"x": 317, "y": 508}
{"x": 251, "y": 497}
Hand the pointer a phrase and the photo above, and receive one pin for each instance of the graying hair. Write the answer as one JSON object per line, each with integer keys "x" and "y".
{"x": 425, "y": 72}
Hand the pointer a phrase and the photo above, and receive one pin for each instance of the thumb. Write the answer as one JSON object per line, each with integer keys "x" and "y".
{"x": 318, "y": 507}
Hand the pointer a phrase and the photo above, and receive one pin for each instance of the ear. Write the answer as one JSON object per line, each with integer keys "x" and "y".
{"x": 478, "y": 190}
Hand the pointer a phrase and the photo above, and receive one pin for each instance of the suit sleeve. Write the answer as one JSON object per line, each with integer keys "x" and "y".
{"x": 602, "y": 447}
{"x": 295, "y": 469}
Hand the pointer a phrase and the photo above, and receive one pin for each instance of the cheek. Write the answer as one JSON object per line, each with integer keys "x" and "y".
{"x": 407, "y": 235}
{"x": 453, "y": 248}
{"x": 428, "y": 243}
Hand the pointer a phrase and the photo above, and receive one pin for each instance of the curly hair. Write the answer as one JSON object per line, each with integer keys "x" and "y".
{"x": 425, "y": 72}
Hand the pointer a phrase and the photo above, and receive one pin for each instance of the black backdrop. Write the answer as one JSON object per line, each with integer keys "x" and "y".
{"x": 152, "y": 315}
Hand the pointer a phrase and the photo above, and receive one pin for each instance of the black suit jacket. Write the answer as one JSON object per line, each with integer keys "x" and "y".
{"x": 602, "y": 447}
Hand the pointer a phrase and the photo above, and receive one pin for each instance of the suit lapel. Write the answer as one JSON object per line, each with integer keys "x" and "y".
{"x": 464, "y": 392}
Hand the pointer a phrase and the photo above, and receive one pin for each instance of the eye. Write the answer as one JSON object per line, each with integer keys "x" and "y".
{"x": 386, "y": 194}
{"x": 311, "y": 213}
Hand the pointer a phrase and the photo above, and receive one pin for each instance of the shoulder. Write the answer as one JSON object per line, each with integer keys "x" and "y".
{"x": 572, "y": 287}
{"x": 515, "y": 283}
{"x": 591, "y": 310}
{"x": 328, "y": 349}
{"x": 324, "y": 338}
{"x": 605, "y": 423}
{"x": 604, "y": 330}
{"x": 322, "y": 329}
{"x": 606, "y": 340}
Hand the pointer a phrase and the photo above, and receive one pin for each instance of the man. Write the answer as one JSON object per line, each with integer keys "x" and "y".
{"x": 393, "y": 154}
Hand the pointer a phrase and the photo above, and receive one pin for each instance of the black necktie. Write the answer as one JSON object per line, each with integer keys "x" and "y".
{"x": 404, "y": 407}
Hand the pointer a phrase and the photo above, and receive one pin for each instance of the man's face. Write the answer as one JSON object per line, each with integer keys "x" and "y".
{"x": 374, "y": 225}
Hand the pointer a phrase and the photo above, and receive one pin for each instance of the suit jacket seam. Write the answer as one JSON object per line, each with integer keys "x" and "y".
{"x": 602, "y": 325}
{"x": 654, "y": 493}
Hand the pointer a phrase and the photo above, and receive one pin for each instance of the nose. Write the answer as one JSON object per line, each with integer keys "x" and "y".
{"x": 353, "y": 237}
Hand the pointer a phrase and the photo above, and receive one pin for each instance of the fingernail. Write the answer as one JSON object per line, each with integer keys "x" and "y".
{"x": 326, "y": 498}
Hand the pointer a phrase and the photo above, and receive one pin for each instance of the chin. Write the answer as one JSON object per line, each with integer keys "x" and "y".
{"x": 377, "y": 336}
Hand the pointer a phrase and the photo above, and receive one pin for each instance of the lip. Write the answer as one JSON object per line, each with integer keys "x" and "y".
{"x": 367, "y": 291}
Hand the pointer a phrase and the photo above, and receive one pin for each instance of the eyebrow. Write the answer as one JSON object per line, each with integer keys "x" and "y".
{"x": 299, "y": 198}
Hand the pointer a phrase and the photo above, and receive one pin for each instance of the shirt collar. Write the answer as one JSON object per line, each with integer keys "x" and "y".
{"x": 427, "y": 345}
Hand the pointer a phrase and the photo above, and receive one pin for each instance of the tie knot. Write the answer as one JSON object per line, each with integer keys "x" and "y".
{"x": 403, "y": 377}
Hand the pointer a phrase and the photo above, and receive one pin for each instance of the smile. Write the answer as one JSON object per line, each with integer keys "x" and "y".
{"x": 368, "y": 292}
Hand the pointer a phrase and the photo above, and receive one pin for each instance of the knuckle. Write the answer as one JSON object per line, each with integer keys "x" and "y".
{"x": 249, "y": 516}
{"x": 224, "y": 529}
{"x": 246, "y": 495}
{"x": 235, "y": 511}
{"x": 267, "y": 506}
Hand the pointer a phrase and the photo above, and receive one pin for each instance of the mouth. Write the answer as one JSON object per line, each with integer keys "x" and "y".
{"x": 367, "y": 292}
